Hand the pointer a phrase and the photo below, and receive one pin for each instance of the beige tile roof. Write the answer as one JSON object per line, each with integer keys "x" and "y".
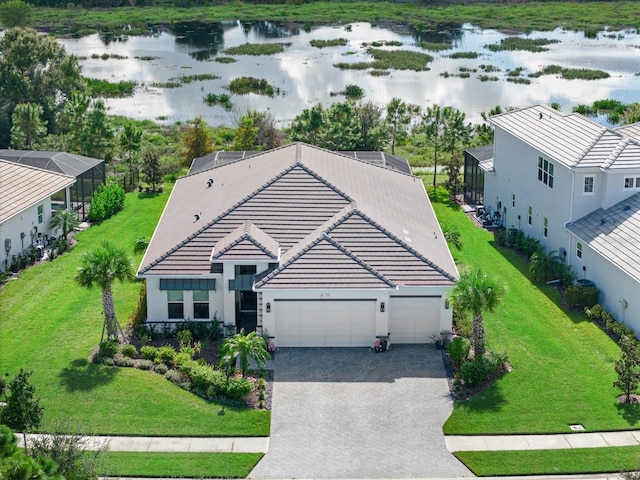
{"x": 22, "y": 187}
{"x": 294, "y": 194}
{"x": 246, "y": 242}
{"x": 572, "y": 139}
{"x": 613, "y": 233}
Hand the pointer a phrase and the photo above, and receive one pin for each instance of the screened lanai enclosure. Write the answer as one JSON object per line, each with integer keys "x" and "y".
{"x": 89, "y": 172}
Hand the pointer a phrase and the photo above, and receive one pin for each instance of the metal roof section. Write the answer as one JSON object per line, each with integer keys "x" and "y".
{"x": 247, "y": 242}
{"x": 484, "y": 155}
{"x": 324, "y": 264}
{"x": 313, "y": 190}
{"x": 59, "y": 162}
{"x": 632, "y": 130}
{"x": 573, "y": 140}
{"x": 23, "y": 186}
{"x": 613, "y": 233}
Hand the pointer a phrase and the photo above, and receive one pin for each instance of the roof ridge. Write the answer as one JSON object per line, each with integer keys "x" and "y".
{"x": 153, "y": 263}
{"x": 404, "y": 244}
{"x": 615, "y": 153}
{"x": 325, "y": 237}
{"x": 22, "y": 165}
{"x": 317, "y": 232}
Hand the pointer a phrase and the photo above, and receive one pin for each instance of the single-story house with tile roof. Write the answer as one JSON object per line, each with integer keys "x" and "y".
{"x": 314, "y": 247}
{"x": 28, "y": 198}
{"x": 90, "y": 173}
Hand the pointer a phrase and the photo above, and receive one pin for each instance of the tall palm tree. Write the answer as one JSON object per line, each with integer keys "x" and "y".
{"x": 66, "y": 220}
{"x": 102, "y": 267}
{"x": 246, "y": 346}
{"x": 474, "y": 293}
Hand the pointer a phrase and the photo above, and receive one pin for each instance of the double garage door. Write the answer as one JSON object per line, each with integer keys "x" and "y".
{"x": 352, "y": 323}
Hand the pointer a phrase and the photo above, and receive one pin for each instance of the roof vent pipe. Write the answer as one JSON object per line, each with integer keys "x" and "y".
{"x": 209, "y": 183}
{"x": 540, "y": 116}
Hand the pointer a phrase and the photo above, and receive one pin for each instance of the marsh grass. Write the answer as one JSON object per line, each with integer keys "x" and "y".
{"x": 107, "y": 89}
{"x": 108, "y": 56}
{"x": 519, "y": 43}
{"x": 255, "y": 49}
{"x": 353, "y": 66}
{"x": 399, "y": 59}
{"x": 543, "y": 16}
{"x": 246, "y": 85}
{"x": 464, "y": 55}
{"x": 379, "y": 73}
{"x": 336, "y": 42}
{"x": 146, "y": 58}
{"x": 166, "y": 84}
{"x": 571, "y": 73}
{"x": 223, "y": 100}
{"x": 200, "y": 77}
{"x": 225, "y": 60}
{"x": 382, "y": 43}
{"x": 434, "y": 47}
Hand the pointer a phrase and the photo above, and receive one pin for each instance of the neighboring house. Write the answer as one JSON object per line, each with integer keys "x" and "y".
{"x": 28, "y": 198}
{"x": 574, "y": 185}
{"x": 314, "y": 247}
{"x": 90, "y": 173}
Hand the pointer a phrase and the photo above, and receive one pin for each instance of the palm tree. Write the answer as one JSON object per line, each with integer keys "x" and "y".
{"x": 102, "y": 267}
{"x": 433, "y": 123}
{"x": 246, "y": 346}
{"x": 66, "y": 220}
{"x": 474, "y": 293}
{"x": 452, "y": 236}
{"x": 543, "y": 265}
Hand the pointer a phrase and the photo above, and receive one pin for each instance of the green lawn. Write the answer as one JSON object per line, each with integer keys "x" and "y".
{"x": 552, "y": 462}
{"x": 49, "y": 325}
{"x": 178, "y": 465}
{"x": 563, "y": 365}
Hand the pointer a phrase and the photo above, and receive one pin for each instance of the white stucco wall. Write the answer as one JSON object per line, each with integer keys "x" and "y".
{"x": 615, "y": 286}
{"x": 382, "y": 318}
{"x": 614, "y": 187}
{"x": 24, "y": 222}
{"x": 516, "y": 173}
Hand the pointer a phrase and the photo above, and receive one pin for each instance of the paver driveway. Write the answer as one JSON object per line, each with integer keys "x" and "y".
{"x": 353, "y": 413}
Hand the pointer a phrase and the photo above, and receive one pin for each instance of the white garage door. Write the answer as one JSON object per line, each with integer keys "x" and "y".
{"x": 414, "y": 319}
{"x": 325, "y": 323}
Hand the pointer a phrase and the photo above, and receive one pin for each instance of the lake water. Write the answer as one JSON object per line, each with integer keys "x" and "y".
{"x": 305, "y": 75}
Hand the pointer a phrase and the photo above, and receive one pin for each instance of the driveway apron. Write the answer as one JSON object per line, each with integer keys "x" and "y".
{"x": 353, "y": 413}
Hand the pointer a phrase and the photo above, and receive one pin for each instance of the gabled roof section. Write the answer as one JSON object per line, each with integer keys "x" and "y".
{"x": 247, "y": 242}
{"x": 22, "y": 187}
{"x": 392, "y": 257}
{"x": 613, "y": 233}
{"x": 59, "y": 162}
{"x": 573, "y": 140}
{"x": 324, "y": 264}
{"x": 294, "y": 195}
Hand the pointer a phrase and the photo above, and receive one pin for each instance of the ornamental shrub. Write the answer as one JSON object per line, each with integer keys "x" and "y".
{"x": 106, "y": 201}
{"x": 581, "y": 297}
{"x": 145, "y": 364}
{"x": 166, "y": 354}
{"x": 160, "y": 368}
{"x": 122, "y": 361}
{"x": 481, "y": 369}
{"x": 207, "y": 379}
{"x": 238, "y": 387}
{"x": 148, "y": 352}
{"x": 458, "y": 350}
{"x": 108, "y": 348}
{"x": 128, "y": 350}
{"x": 595, "y": 312}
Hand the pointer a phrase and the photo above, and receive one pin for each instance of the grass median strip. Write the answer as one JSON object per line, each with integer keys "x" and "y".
{"x": 551, "y": 462}
{"x": 178, "y": 465}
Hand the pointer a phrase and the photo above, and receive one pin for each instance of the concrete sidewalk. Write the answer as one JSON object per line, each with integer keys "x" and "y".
{"x": 173, "y": 444}
{"x": 459, "y": 443}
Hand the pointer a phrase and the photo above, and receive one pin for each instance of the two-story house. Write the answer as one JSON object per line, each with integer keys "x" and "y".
{"x": 314, "y": 247}
{"x": 574, "y": 185}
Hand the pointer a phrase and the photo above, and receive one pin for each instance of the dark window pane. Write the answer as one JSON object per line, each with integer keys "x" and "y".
{"x": 201, "y": 311}
{"x": 176, "y": 310}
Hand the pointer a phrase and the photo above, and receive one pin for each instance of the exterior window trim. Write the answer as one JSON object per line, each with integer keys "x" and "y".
{"x": 545, "y": 228}
{"x": 579, "y": 249}
{"x": 588, "y": 188}
{"x": 545, "y": 171}
{"x": 40, "y": 214}
{"x": 635, "y": 182}
{"x": 175, "y": 303}
{"x": 200, "y": 303}
{"x": 530, "y": 216}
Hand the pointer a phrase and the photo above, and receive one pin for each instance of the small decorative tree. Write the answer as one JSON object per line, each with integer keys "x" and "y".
{"x": 627, "y": 368}
{"x": 22, "y": 411}
{"x": 245, "y": 346}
